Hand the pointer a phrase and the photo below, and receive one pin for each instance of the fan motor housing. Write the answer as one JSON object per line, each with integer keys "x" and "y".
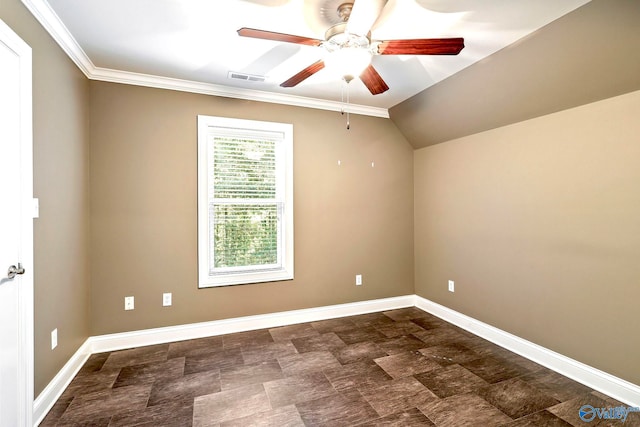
{"x": 337, "y": 36}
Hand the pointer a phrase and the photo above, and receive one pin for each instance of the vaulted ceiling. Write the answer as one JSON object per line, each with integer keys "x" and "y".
{"x": 522, "y": 58}
{"x": 585, "y": 56}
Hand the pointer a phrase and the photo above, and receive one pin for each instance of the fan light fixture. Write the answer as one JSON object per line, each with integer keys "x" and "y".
{"x": 348, "y": 62}
{"x": 349, "y": 47}
{"x": 348, "y": 54}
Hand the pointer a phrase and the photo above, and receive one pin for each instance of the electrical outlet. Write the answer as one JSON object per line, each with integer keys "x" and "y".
{"x": 358, "y": 279}
{"x": 451, "y": 286}
{"x": 166, "y": 299}
{"x": 54, "y": 338}
{"x": 128, "y": 303}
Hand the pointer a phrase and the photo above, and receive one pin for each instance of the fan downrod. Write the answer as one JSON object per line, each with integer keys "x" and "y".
{"x": 337, "y": 33}
{"x": 344, "y": 11}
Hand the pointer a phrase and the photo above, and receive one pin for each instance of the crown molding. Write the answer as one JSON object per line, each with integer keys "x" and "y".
{"x": 43, "y": 12}
{"x": 130, "y": 78}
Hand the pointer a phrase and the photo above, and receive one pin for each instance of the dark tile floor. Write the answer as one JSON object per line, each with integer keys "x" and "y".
{"x": 398, "y": 368}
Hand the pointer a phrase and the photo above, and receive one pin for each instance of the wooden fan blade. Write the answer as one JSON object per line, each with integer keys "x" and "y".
{"x": 451, "y": 46}
{"x": 373, "y": 81}
{"x": 279, "y": 37}
{"x": 304, "y": 74}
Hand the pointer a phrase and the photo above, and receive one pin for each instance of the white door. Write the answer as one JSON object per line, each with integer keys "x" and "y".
{"x": 16, "y": 232}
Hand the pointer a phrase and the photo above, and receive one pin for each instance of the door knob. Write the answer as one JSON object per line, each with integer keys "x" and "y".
{"x": 14, "y": 271}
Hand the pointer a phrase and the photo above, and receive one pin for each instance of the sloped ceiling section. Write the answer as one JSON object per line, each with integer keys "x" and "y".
{"x": 587, "y": 55}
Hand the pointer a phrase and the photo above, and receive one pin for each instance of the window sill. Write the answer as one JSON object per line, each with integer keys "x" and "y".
{"x": 212, "y": 281}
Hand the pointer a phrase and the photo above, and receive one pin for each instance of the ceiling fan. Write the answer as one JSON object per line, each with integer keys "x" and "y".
{"x": 349, "y": 45}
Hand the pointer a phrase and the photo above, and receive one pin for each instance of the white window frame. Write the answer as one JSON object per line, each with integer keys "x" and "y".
{"x": 238, "y": 276}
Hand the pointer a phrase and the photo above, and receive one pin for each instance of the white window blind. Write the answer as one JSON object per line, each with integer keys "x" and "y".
{"x": 249, "y": 223}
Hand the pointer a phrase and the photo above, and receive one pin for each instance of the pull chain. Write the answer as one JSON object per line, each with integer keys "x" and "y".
{"x": 348, "y": 124}
{"x": 342, "y": 99}
{"x": 346, "y": 80}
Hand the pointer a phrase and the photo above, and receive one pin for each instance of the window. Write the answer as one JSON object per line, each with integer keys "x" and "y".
{"x": 245, "y": 201}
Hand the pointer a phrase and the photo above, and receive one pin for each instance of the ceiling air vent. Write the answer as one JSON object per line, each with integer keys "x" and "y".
{"x": 246, "y": 77}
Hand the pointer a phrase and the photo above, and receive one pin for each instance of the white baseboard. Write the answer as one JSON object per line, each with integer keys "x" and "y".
{"x": 48, "y": 397}
{"x": 610, "y": 385}
{"x": 124, "y": 340}
{"x": 112, "y": 342}
{"x": 596, "y": 379}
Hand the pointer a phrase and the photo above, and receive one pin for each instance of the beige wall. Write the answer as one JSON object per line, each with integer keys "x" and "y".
{"x": 61, "y": 182}
{"x": 538, "y": 223}
{"x": 349, "y": 219}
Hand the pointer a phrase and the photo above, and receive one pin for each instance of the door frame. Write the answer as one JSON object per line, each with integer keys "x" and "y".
{"x": 25, "y": 289}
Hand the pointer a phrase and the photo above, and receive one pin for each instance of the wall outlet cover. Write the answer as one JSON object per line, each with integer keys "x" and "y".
{"x": 166, "y": 299}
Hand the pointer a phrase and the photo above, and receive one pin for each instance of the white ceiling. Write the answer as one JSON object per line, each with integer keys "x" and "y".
{"x": 193, "y": 44}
